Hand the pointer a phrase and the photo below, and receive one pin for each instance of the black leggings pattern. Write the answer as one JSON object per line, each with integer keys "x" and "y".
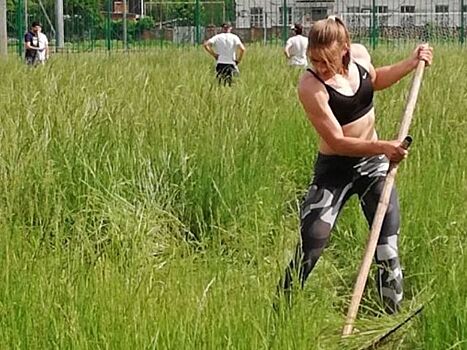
{"x": 336, "y": 180}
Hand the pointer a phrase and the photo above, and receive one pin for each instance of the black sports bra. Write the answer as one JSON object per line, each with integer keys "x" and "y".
{"x": 350, "y": 108}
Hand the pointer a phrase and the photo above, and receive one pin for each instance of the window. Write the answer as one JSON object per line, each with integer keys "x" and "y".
{"x": 243, "y": 13}
{"x": 442, "y": 16}
{"x": 382, "y": 18}
{"x": 407, "y": 21}
{"x": 318, "y": 13}
{"x": 408, "y": 9}
{"x": 289, "y": 15}
{"x": 256, "y": 17}
{"x": 313, "y": 1}
{"x": 381, "y": 9}
{"x": 353, "y": 19}
{"x": 353, "y": 9}
{"x": 442, "y": 8}
{"x": 383, "y": 21}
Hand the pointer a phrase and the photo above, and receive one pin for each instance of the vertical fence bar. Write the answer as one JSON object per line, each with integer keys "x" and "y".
{"x": 125, "y": 25}
{"x": 161, "y": 29}
{"x": 20, "y": 26}
{"x": 285, "y": 30}
{"x": 59, "y": 25}
{"x": 92, "y": 34}
{"x": 373, "y": 25}
{"x": 108, "y": 24}
{"x": 26, "y": 16}
{"x": 462, "y": 30}
{"x": 223, "y": 13}
{"x": 265, "y": 29}
{"x": 3, "y": 30}
{"x": 197, "y": 22}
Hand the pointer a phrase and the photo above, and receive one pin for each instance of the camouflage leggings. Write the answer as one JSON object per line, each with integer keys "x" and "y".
{"x": 336, "y": 179}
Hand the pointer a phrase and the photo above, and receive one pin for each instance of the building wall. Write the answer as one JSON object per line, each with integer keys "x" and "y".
{"x": 405, "y": 13}
{"x": 356, "y": 13}
{"x": 268, "y": 13}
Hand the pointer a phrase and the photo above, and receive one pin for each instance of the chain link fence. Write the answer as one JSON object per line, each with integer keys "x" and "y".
{"x": 107, "y": 25}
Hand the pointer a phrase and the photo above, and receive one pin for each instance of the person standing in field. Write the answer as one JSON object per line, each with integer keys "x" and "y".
{"x": 43, "y": 52}
{"x": 337, "y": 96}
{"x": 227, "y": 49}
{"x": 31, "y": 44}
{"x": 295, "y": 48}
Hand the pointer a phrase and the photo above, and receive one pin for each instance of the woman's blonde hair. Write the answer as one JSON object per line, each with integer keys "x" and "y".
{"x": 330, "y": 37}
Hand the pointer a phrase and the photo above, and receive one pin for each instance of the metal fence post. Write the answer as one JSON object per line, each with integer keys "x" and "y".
{"x": 462, "y": 31}
{"x": 59, "y": 24}
{"x": 197, "y": 22}
{"x": 3, "y": 30}
{"x": 373, "y": 25}
{"x": 26, "y": 16}
{"x": 284, "y": 21}
{"x": 20, "y": 26}
{"x": 125, "y": 26}
{"x": 92, "y": 33}
{"x": 108, "y": 28}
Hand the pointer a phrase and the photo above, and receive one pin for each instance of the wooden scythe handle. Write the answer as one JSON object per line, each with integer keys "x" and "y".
{"x": 382, "y": 207}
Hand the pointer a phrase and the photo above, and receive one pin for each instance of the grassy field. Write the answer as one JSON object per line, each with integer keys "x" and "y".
{"x": 144, "y": 207}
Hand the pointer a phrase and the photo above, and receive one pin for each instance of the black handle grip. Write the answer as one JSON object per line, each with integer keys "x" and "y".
{"x": 407, "y": 142}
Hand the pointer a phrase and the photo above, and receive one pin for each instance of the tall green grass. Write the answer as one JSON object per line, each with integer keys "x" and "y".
{"x": 143, "y": 206}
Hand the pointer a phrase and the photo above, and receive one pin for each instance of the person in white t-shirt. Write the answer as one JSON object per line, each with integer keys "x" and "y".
{"x": 227, "y": 49}
{"x": 295, "y": 48}
{"x": 43, "y": 52}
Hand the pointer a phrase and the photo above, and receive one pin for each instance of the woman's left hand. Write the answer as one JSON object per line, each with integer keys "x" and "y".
{"x": 423, "y": 52}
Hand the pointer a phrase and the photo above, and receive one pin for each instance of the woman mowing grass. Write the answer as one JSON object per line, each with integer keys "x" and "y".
{"x": 337, "y": 95}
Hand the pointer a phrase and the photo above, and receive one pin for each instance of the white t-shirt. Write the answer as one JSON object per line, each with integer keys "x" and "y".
{"x": 297, "y": 46}
{"x": 43, "y": 43}
{"x": 225, "y": 45}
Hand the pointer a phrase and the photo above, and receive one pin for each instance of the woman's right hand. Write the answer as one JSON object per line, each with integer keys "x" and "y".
{"x": 394, "y": 150}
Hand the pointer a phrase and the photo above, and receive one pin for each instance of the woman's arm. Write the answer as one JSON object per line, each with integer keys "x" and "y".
{"x": 314, "y": 99}
{"x": 389, "y": 75}
{"x": 386, "y": 76}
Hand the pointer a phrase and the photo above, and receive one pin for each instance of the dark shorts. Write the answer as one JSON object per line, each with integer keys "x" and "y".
{"x": 225, "y": 71}
{"x": 31, "y": 60}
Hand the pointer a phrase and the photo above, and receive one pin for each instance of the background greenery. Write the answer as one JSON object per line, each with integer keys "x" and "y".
{"x": 143, "y": 206}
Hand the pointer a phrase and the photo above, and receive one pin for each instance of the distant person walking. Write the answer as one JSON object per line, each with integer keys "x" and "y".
{"x": 43, "y": 52}
{"x": 295, "y": 48}
{"x": 227, "y": 49}
{"x": 31, "y": 44}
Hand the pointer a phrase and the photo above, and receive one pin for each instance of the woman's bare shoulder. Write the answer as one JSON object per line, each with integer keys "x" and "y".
{"x": 309, "y": 84}
{"x": 361, "y": 55}
{"x": 311, "y": 92}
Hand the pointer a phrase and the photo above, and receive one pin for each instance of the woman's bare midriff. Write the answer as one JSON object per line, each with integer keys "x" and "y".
{"x": 362, "y": 128}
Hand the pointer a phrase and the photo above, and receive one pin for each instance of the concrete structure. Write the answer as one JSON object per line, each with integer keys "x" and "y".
{"x": 356, "y": 13}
